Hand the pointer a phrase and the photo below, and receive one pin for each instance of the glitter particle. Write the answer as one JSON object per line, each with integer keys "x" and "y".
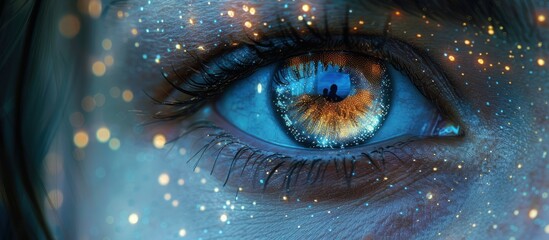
{"x": 69, "y": 26}
{"x": 259, "y": 88}
{"x": 305, "y": 8}
{"x": 99, "y": 68}
{"x": 541, "y": 62}
{"x": 133, "y": 218}
{"x": 127, "y": 95}
{"x": 248, "y": 24}
{"x": 164, "y": 179}
{"x": 533, "y": 213}
{"x": 491, "y": 30}
{"x": 114, "y": 144}
{"x": 230, "y": 13}
{"x": 94, "y": 8}
{"x": 106, "y": 44}
{"x": 182, "y": 232}
{"x": 541, "y": 18}
{"x": 81, "y": 139}
{"x": 103, "y": 134}
{"x": 159, "y": 141}
{"x": 223, "y": 217}
{"x": 109, "y": 60}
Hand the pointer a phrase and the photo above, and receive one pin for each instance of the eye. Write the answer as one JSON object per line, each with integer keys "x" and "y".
{"x": 331, "y": 99}
{"x": 321, "y": 105}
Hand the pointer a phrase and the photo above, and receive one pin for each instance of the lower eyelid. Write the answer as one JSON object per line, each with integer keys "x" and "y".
{"x": 234, "y": 165}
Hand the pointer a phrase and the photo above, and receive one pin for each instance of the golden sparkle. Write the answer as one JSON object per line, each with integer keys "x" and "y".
{"x": 533, "y": 213}
{"x": 491, "y": 30}
{"x": 163, "y": 179}
{"x": 159, "y": 141}
{"x": 541, "y": 62}
{"x": 103, "y": 134}
{"x": 81, "y": 139}
{"x": 69, "y": 26}
{"x": 99, "y": 68}
{"x": 94, "y": 8}
{"x": 541, "y": 18}
{"x": 127, "y": 95}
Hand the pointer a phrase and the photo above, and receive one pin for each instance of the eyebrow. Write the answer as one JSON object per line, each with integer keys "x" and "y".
{"x": 517, "y": 18}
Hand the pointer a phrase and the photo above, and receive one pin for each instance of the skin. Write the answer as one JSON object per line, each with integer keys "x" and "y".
{"x": 490, "y": 182}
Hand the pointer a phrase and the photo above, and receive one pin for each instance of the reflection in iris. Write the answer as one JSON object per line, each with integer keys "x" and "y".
{"x": 332, "y": 99}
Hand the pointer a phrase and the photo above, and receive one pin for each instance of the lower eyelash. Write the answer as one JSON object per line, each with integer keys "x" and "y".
{"x": 267, "y": 167}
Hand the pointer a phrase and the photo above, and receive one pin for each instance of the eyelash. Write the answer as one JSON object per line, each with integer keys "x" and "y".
{"x": 198, "y": 80}
{"x": 256, "y": 159}
{"x": 205, "y": 85}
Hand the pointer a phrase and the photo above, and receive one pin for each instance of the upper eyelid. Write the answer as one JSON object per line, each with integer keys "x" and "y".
{"x": 403, "y": 57}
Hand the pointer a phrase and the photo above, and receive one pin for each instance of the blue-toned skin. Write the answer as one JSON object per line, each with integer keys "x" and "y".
{"x": 489, "y": 183}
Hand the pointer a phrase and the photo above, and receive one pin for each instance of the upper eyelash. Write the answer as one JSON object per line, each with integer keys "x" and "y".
{"x": 206, "y": 84}
{"x": 200, "y": 92}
